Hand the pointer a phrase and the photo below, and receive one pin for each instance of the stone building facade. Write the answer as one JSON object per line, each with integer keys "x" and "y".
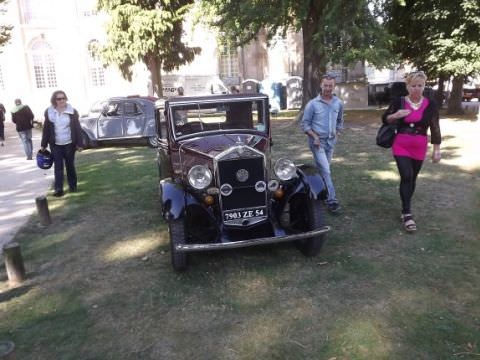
{"x": 50, "y": 50}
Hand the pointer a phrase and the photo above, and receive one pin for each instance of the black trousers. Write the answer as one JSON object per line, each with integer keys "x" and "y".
{"x": 64, "y": 154}
{"x": 408, "y": 169}
{"x": 2, "y": 131}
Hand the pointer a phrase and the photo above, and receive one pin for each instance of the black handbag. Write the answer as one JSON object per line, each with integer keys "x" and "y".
{"x": 386, "y": 133}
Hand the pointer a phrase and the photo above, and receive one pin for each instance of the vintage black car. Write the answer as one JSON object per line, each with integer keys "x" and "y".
{"x": 120, "y": 118}
{"x": 218, "y": 188}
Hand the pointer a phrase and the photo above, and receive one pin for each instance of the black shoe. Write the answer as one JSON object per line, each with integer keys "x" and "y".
{"x": 333, "y": 207}
{"x": 58, "y": 193}
{"x": 29, "y": 158}
{"x": 73, "y": 189}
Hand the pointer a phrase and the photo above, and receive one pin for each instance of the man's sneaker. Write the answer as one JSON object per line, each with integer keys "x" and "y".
{"x": 333, "y": 206}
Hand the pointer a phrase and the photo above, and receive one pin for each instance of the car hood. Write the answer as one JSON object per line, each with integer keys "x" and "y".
{"x": 212, "y": 145}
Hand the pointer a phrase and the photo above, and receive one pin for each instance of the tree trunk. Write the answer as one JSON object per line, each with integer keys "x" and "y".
{"x": 439, "y": 95}
{"x": 155, "y": 67}
{"x": 455, "y": 98}
{"x": 314, "y": 63}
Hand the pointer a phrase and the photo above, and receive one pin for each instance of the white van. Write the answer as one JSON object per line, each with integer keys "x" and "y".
{"x": 193, "y": 85}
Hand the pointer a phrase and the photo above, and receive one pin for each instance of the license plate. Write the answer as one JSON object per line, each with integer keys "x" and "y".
{"x": 244, "y": 214}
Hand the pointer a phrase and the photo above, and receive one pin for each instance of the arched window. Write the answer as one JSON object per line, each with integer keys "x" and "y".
{"x": 43, "y": 63}
{"x": 96, "y": 72}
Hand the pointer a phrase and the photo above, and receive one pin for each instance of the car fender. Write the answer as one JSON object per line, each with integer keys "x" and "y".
{"x": 309, "y": 182}
{"x": 174, "y": 199}
{"x": 89, "y": 132}
{"x": 311, "y": 178}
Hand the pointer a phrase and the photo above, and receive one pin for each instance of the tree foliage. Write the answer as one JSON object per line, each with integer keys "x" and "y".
{"x": 334, "y": 31}
{"x": 5, "y": 30}
{"x": 148, "y": 31}
{"x": 438, "y": 36}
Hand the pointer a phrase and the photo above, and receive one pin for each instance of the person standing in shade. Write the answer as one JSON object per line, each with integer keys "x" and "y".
{"x": 23, "y": 116}
{"x": 322, "y": 119}
{"x": 2, "y": 124}
{"x": 62, "y": 131}
{"x": 414, "y": 114}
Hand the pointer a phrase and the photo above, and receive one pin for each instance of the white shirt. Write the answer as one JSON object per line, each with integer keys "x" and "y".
{"x": 61, "y": 122}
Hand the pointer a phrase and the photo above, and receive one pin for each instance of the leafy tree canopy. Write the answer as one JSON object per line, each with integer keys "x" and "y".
{"x": 149, "y": 31}
{"x": 4, "y": 29}
{"x": 440, "y": 36}
{"x": 334, "y": 31}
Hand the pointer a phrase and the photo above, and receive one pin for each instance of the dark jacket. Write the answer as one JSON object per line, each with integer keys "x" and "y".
{"x": 2, "y": 113}
{"x": 48, "y": 133}
{"x": 22, "y": 116}
{"x": 430, "y": 119}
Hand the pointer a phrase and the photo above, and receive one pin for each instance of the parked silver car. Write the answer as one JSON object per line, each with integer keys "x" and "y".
{"x": 120, "y": 118}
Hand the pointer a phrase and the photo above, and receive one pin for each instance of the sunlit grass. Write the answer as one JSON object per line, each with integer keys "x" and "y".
{"x": 100, "y": 283}
{"x": 130, "y": 248}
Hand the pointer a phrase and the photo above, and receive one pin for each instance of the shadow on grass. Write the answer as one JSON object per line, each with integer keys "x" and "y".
{"x": 103, "y": 273}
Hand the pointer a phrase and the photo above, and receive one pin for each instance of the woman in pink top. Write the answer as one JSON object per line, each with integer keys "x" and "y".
{"x": 414, "y": 115}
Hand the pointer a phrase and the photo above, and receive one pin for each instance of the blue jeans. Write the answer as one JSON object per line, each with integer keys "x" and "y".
{"x": 323, "y": 157}
{"x": 64, "y": 154}
{"x": 26, "y": 137}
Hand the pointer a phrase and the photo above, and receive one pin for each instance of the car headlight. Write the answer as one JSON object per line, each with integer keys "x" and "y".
{"x": 285, "y": 169}
{"x": 199, "y": 177}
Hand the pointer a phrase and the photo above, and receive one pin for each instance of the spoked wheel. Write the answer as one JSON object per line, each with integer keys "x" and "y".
{"x": 177, "y": 237}
{"x": 314, "y": 219}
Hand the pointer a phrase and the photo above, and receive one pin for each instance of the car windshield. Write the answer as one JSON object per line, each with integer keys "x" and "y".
{"x": 97, "y": 108}
{"x": 194, "y": 118}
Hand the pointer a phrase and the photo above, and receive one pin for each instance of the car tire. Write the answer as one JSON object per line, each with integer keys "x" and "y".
{"x": 86, "y": 140}
{"x": 153, "y": 141}
{"x": 176, "y": 229}
{"x": 315, "y": 219}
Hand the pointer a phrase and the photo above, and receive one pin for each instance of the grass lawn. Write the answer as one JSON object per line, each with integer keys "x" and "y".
{"x": 100, "y": 283}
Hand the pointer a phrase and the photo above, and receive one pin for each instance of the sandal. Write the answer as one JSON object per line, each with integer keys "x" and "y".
{"x": 409, "y": 223}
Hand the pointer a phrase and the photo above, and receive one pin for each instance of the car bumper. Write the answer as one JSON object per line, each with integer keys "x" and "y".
{"x": 251, "y": 242}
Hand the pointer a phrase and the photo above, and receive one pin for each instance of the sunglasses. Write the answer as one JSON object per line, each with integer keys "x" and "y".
{"x": 60, "y": 98}
{"x": 328, "y": 76}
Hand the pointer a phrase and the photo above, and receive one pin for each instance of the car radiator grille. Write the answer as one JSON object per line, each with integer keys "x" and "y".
{"x": 244, "y": 194}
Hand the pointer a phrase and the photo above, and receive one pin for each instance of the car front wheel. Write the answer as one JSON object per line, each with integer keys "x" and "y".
{"x": 176, "y": 229}
{"x": 314, "y": 219}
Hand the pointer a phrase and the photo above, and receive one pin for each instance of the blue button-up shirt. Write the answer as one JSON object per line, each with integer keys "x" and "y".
{"x": 323, "y": 118}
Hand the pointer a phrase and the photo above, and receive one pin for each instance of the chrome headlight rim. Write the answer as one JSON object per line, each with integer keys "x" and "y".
{"x": 285, "y": 169}
{"x": 199, "y": 177}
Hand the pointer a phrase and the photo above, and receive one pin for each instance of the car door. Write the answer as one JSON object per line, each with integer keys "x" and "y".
{"x": 134, "y": 119}
{"x": 163, "y": 158}
{"x": 110, "y": 122}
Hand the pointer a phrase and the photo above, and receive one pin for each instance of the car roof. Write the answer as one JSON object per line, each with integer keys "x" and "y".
{"x": 215, "y": 98}
{"x": 134, "y": 97}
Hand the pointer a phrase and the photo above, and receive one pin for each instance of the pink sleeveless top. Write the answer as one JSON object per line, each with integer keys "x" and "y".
{"x": 412, "y": 145}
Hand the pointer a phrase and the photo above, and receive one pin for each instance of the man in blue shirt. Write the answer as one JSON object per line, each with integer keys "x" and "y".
{"x": 322, "y": 120}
